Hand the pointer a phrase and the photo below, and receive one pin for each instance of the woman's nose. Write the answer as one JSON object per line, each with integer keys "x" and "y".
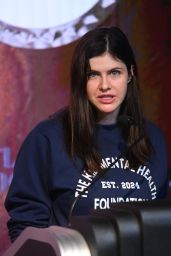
{"x": 104, "y": 84}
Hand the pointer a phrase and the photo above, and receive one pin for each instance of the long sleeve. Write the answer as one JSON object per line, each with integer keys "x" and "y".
{"x": 28, "y": 202}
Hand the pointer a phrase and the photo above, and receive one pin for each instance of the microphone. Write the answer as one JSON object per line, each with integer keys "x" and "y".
{"x": 123, "y": 120}
{"x": 127, "y": 121}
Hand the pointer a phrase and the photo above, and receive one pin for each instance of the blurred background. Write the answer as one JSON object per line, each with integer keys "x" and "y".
{"x": 37, "y": 38}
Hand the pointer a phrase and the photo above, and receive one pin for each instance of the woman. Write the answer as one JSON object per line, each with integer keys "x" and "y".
{"x": 100, "y": 150}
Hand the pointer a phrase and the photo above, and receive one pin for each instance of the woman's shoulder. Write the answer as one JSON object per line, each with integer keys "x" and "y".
{"x": 155, "y": 133}
{"x": 51, "y": 125}
{"x": 48, "y": 132}
{"x": 152, "y": 128}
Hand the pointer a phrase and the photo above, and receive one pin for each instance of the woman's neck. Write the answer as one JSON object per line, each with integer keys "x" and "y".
{"x": 108, "y": 118}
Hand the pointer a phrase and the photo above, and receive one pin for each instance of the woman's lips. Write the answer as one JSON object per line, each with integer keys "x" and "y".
{"x": 106, "y": 98}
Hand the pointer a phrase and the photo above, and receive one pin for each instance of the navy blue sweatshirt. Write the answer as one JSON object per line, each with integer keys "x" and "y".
{"x": 46, "y": 180}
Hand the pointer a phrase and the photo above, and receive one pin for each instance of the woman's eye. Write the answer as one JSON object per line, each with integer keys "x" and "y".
{"x": 115, "y": 72}
{"x": 91, "y": 74}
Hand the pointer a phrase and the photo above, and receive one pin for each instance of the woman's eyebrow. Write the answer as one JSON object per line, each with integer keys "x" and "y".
{"x": 92, "y": 70}
{"x": 116, "y": 68}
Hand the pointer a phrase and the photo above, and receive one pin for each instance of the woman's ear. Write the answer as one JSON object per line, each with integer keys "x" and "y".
{"x": 131, "y": 74}
{"x": 129, "y": 78}
{"x": 132, "y": 71}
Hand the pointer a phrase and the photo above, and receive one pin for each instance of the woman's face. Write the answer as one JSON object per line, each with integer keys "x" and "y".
{"x": 107, "y": 81}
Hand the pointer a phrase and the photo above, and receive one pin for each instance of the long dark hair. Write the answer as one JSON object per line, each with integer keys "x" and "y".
{"x": 80, "y": 118}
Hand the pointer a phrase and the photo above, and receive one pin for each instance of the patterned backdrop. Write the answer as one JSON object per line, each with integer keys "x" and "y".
{"x": 35, "y": 83}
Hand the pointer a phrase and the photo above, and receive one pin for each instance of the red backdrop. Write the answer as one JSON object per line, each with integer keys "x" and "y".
{"x": 35, "y": 83}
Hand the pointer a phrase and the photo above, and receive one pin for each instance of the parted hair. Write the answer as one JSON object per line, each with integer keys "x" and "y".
{"x": 80, "y": 118}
